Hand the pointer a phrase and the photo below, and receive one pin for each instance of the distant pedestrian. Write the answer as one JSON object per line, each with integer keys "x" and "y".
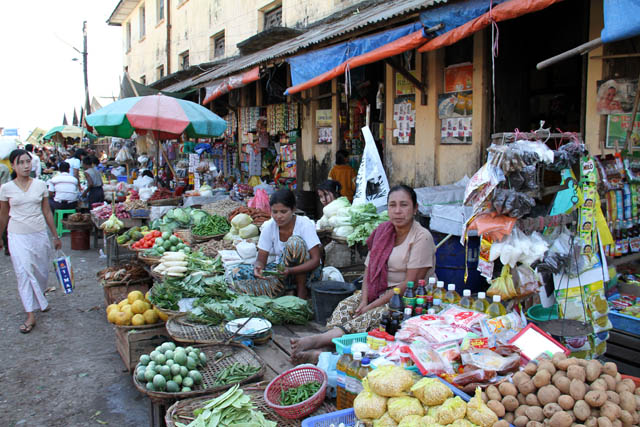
{"x": 24, "y": 206}
{"x": 94, "y": 192}
{"x": 344, "y": 174}
{"x": 65, "y": 189}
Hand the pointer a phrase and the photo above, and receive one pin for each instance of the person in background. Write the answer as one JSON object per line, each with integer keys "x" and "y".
{"x": 328, "y": 191}
{"x": 94, "y": 192}
{"x": 400, "y": 251}
{"x": 5, "y": 176}
{"x": 36, "y": 167}
{"x": 75, "y": 162}
{"x": 294, "y": 242}
{"x": 344, "y": 174}
{"x": 65, "y": 190}
{"x": 24, "y": 207}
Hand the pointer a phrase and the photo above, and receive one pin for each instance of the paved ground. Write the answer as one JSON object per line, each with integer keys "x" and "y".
{"x": 67, "y": 371}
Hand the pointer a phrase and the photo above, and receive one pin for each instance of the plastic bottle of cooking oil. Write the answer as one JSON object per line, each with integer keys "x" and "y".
{"x": 362, "y": 373}
{"x": 481, "y": 304}
{"x": 496, "y": 309}
{"x": 466, "y": 301}
{"x": 431, "y": 286}
{"x": 342, "y": 366}
{"x": 437, "y": 308}
{"x": 451, "y": 297}
{"x": 439, "y": 292}
{"x": 353, "y": 383}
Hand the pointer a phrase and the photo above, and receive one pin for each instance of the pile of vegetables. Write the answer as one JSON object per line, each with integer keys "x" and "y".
{"x": 212, "y": 225}
{"x": 222, "y": 207}
{"x": 78, "y": 218}
{"x": 132, "y": 235}
{"x": 167, "y": 293}
{"x": 135, "y": 310}
{"x": 235, "y": 373}
{"x": 179, "y": 218}
{"x": 147, "y": 241}
{"x": 105, "y": 210}
{"x": 258, "y": 217}
{"x": 161, "y": 193}
{"x": 233, "y": 408}
{"x": 167, "y": 242}
{"x": 212, "y": 247}
{"x": 172, "y": 264}
{"x": 179, "y": 264}
{"x": 171, "y": 369}
{"x": 122, "y": 272}
{"x": 112, "y": 225}
{"x": 295, "y": 395}
{"x": 355, "y": 223}
{"x": 242, "y": 227}
{"x": 132, "y": 203}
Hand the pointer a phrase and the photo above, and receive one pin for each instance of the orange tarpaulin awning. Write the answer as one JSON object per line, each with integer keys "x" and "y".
{"x": 227, "y": 84}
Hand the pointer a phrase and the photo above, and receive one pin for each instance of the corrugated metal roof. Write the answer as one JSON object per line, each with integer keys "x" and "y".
{"x": 122, "y": 10}
{"x": 357, "y": 20}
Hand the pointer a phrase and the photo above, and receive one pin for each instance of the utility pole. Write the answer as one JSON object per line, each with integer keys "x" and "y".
{"x": 87, "y": 105}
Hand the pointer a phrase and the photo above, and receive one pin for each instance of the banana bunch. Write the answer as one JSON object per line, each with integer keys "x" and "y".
{"x": 112, "y": 225}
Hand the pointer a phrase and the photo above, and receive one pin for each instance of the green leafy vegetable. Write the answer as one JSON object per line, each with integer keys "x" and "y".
{"x": 212, "y": 225}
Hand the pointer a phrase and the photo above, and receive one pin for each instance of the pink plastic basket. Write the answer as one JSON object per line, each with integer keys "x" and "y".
{"x": 293, "y": 378}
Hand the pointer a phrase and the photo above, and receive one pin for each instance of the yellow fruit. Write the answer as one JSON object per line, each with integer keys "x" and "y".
{"x": 137, "y": 307}
{"x": 112, "y": 307}
{"x": 137, "y": 320}
{"x": 127, "y": 310}
{"x": 161, "y": 315}
{"x": 147, "y": 305}
{"x": 123, "y": 303}
{"x": 134, "y": 296}
{"x": 150, "y": 317}
{"x": 146, "y": 296}
{"x": 112, "y": 316}
{"x": 122, "y": 319}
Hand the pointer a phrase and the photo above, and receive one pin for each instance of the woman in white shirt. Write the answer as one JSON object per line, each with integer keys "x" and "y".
{"x": 293, "y": 241}
{"x": 24, "y": 206}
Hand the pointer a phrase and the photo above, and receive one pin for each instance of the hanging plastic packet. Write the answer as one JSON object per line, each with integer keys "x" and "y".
{"x": 485, "y": 265}
{"x": 503, "y": 328}
{"x": 598, "y": 307}
{"x": 632, "y": 165}
{"x": 570, "y": 305}
{"x": 586, "y": 225}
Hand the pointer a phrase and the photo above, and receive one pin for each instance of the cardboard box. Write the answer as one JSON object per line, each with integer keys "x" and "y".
{"x": 133, "y": 343}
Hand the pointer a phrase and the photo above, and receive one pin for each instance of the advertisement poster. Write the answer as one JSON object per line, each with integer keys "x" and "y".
{"x": 458, "y": 77}
{"x": 456, "y": 130}
{"x": 458, "y": 104}
{"x": 616, "y": 96}
{"x": 404, "y": 86}
{"x": 404, "y": 116}
{"x": 323, "y": 118}
{"x": 617, "y": 125}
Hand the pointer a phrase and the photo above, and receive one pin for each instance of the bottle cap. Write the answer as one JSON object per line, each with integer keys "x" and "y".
{"x": 420, "y": 301}
{"x": 357, "y": 356}
{"x": 396, "y": 290}
{"x": 436, "y": 301}
{"x": 432, "y": 280}
{"x": 451, "y": 287}
{"x": 421, "y": 282}
{"x": 482, "y": 295}
{"x": 496, "y": 298}
{"x": 409, "y": 284}
{"x": 365, "y": 361}
{"x": 440, "y": 284}
{"x": 466, "y": 292}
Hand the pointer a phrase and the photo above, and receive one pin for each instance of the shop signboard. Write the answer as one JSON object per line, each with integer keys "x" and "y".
{"x": 617, "y": 126}
{"x": 458, "y": 77}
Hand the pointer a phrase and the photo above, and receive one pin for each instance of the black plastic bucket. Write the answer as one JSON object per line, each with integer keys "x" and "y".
{"x": 325, "y": 297}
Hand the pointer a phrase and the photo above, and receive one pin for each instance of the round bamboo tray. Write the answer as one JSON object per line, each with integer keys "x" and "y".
{"x": 182, "y": 410}
{"x": 184, "y": 234}
{"x": 182, "y": 330}
{"x": 148, "y": 260}
{"x": 130, "y": 327}
{"x": 201, "y": 239}
{"x": 234, "y": 353}
{"x": 170, "y": 313}
{"x": 172, "y": 201}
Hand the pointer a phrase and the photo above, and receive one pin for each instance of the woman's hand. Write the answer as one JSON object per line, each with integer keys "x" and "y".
{"x": 257, "y": 271}
{"x": 362, "y": 308}
{"x": 57, "y": 243}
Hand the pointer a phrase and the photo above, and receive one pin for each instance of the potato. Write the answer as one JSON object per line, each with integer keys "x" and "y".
{"x": 636, "y": 418}
{"x": 611, "y": 382}
{"x": 532, "y": 400}
{"x": 510, "y": 403}
{"x": 496, "y": 407}
{"x": 581, "y": 410}
{"x": 534, "y": 413}
{"x": 604, "y": 422}
{"x": 562, "y": 384}
{"x": 637, "y": 402}
{"x": 618, "y": 377}
{"x": 550, "y": 409}
{"x": 561, "y": 419}
{"x": 527, "y": 387}
{"x": 557, "y": 358}
{"x": 485, "y": 399}
{"x": 576, "y": 372}
{"x": 508, "y": 417}
{"x": 507, "y": 389}
{"x": 564, "y": 364}
{"x": 542, "y": 378}
{"x": 600, "y": 384}
{"x": 626, "y": 418}
{"x": 610, "y": 410}
{"x": 519, "y": 377}
{"x": 628, "y": 401}
{"x": 566, "y": 402}
{"x": 610, "y": 368}
{"x": 595, "y": 398}
{"x": 591, "y": 422}
{"x": 534, "y": 424}
{"x": 614, "y": 397}
{"x": 548, "y": 394}
{"x": 616, "y": 423}
{"x": 531, "y": 369}
{"x": 577, "y": 425}
{"x": 637, "y": 392}
{"x": 522, "y": 409}
{"x": 624, "y": 385}
{"x": 520, "y": 421}
{"x": 493, "y": 393}
{"x": 547, "y": 365}
{"x": 593, "y": 370}
{"x": 501, "y": 423}
{"x": 577, "y": 390}
{"x": 595, "y": 412}
{"x": 521, "y": 399}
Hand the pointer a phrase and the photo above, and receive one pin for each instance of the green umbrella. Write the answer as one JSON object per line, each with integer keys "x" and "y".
{"x": 67, "y": 131}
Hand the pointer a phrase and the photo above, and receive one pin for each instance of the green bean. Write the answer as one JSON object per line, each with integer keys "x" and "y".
{"x": 235, "y": 373}
{"x": 299, "y": 394}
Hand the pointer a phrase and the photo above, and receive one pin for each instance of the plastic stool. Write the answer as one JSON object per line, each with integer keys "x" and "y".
{"x": 59, "y": 215}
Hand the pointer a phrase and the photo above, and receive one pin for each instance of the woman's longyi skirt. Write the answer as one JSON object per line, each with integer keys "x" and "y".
{"x": 31, "y": 258}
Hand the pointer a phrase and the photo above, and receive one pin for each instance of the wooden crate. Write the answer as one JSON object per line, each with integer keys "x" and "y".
{"x": 113, "y": 294}
{"x": 131, "y": 344}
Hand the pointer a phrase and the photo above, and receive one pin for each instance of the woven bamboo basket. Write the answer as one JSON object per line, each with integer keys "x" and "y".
{"x": 182, "y": 330}
{"x": 184, "y": 234}
{"x": 117, "y": 291}
{"x": 148, "y": 259}
{"x": 201, "y": 239}
{"x": 233, "y": 352}
{"x": 172, "y": 201}
{"x": 141, "y": 327}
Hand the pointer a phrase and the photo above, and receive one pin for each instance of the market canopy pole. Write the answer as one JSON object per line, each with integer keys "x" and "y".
{"x": 579, "y": 50}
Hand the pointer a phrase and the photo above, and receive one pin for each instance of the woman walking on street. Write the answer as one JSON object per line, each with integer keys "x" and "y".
{"x": 24, "y": 205}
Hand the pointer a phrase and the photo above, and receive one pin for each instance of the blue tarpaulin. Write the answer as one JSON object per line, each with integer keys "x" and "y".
{"x": 453, "y": 15}
{"x": 309, "y": 65}
{"x": 621, "y": 20}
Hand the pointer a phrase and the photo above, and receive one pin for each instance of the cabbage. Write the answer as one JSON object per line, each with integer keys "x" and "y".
{"x": 229, "y": 236}
{"x": 343, "y": 231}
{"x": 250, "y": 230}
{"x": 246, "y": 250}
{"x": 323, "y": 223}
{"x": 241, "y": 220}
{"x": 332, "y": 208}
{"x": 181, "y": 216}
{"x": 197, "y": 216}
{"x": 339, "y": 221}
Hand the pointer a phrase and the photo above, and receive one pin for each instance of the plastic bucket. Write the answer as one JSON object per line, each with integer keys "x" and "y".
{"x": 326, "y": 295}
{"x": 537, "y": 313}
{"x": 450, "y": 263}
{"x": 80, "y": 240}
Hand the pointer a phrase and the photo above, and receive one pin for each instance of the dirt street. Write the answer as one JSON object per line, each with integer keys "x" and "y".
{"x": 66, "y": 372}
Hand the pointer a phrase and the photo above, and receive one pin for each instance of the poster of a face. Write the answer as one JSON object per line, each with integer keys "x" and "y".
{"x": 616, "y": 96}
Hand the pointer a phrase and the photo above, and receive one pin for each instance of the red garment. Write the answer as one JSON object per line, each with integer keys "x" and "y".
{"x": 380, "y": 245}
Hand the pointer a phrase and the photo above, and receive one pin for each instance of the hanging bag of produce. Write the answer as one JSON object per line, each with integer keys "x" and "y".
{"x": 64, "y": 272}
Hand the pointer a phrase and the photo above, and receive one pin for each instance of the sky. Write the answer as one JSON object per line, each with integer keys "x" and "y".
{"x": 39, "y": 80}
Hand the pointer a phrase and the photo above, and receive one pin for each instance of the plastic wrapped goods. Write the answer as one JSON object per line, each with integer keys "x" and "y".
{"x": 389, "y": 380}
{"x": 479, "y": 413}
{"x": 451, "y": 410}
{"x": 400, "y": 407}
{"x": 431, "y": 391}
{"x": 368, "y": 405}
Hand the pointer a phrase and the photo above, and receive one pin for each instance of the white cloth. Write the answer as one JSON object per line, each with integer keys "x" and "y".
{"x": 25, "y": 207}
{"x": 270, "y": 235}
{"x": 74, "y": 164}
{"x": 65, "y": 186}
{"x": 31, "y": 265}
{"x": 36, "y": 165}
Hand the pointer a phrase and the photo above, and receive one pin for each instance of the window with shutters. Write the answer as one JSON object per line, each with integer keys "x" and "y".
{"x": 159, "y": 10}
{"x": 273, "y": 18}
{"x": 184, "y": 60}
{"x": 128, "y": 30}
{"x": 218, "y": 46}
{"x": 160, "y": 72}
{"x": 142, "y": 22}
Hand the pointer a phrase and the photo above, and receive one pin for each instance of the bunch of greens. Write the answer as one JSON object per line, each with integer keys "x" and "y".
{"x": 361, "y": 214}
{"x": 291, "y": 310}
{"x": 197, "y": 261}
{"x": 362, "y": 232}
{"x": 243, "y": 307}
{"x": 179, "y": 218}
{"x": 213, "y": 225}
{"x": 166, "y": 294}
{"x": 210, "y": 312}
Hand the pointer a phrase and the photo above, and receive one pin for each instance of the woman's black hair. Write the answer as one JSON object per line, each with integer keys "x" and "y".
{"x": 86, "y": 160}
{"x": 406, "y": 189}
{"x": 94, "y": 160}
{"x": 284, "y": 196}
{"x": 330, "y": 186}
{"x": 341, "y": 157}
{"x": 64, "y": 167}
{"x": 17, "y": 153}
{"x": 147, "y": 173}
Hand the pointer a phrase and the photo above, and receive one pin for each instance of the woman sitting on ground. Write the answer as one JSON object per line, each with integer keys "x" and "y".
{"x": 328, "y": 191}
{"x": 292, "y": 239}
{"x": 400, "y": 251}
